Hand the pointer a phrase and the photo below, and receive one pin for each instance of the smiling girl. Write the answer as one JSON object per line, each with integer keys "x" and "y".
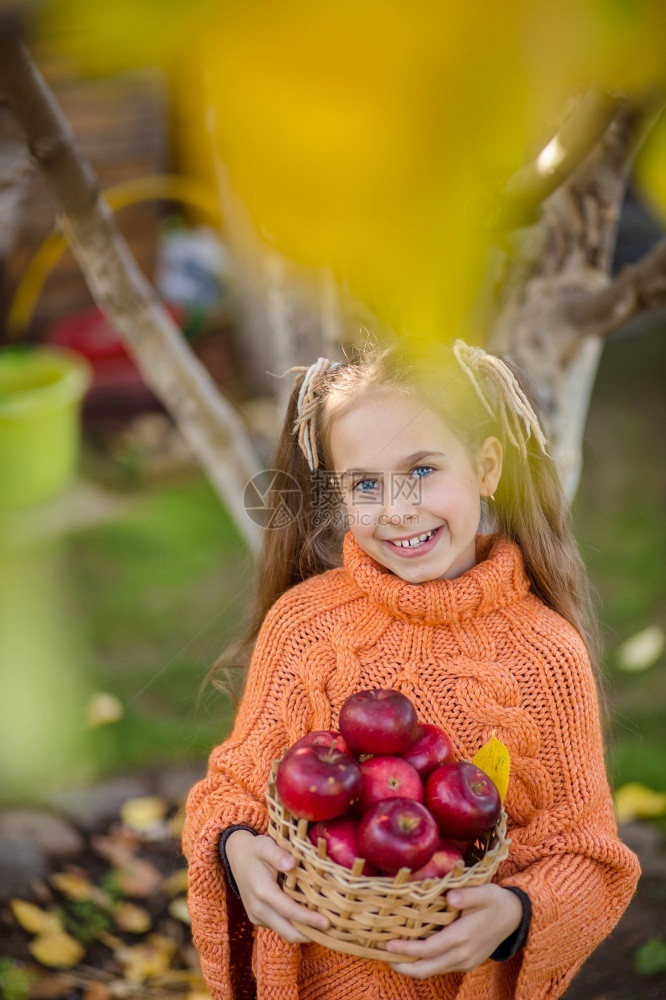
{"x": 428, "y": 550}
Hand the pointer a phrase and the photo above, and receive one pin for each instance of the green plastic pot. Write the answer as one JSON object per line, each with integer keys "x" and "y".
{"x": 41, "y": 390}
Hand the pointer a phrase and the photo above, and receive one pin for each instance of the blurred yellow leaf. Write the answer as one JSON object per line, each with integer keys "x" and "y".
{"x": 144, "y": 813}
{"x": 103, "y": 709}
{"x": 178, "y": 909}
{"x": 78, "y": 888}
{"x": 495, "y": 760}
{"x": 57, "y": 950}
{"x": 359, "y": 139}
{"x": 642, "y": 650}
{"x": 132, "y": 919}
{"x": 635, "y": 801}
{"x": 176, "y": 883}
{"x": 148, "y": 959}
{"x": 34, "y": 919}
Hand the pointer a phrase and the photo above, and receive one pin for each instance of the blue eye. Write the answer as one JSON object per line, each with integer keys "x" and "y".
{"x": 360, "y": 482}
{"x": 429, "y": 468}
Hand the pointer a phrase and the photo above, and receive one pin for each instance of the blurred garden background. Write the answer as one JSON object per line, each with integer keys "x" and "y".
{"x": 288, "y": 178}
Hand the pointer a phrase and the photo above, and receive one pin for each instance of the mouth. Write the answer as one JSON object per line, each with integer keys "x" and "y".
{"x": 421, "y": 542}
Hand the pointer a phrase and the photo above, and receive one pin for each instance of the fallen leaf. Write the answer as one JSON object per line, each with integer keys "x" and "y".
{"x": 642, "y": 650}
{"x": 494, "y": 759}
{"x": 79, "y": 889}
{"x": 178, "y": 909}
{"x": 145, "y": 813}
{"x": 97, "y": 991}
{"x": 57, "y": 949}
{"x": 133, "y": 876}
{"x": 50, "y": 986}
{"x": 176, "y": 883}
{"x": 121, "y": 844}
{"x": 138, "y": 878}
{"x": 635, "y": 801}
{"x": 103, "y": 709}
{"x": 146, "y": 960}
{"x": 110, "y": 941}
{"x": 34, "y": 919}
{"x": 132, "y": 919}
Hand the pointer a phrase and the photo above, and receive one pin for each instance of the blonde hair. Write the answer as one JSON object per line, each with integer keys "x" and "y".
{"x": 477, "y": 397}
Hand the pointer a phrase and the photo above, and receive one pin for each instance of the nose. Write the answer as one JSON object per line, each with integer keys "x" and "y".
{"x": 400, "y": 503}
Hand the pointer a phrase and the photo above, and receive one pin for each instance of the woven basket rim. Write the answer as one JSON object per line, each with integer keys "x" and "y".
{"x": 423, "y": 889}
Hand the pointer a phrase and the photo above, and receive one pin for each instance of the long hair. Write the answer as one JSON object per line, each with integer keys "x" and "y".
{"x": 529, "y": 505}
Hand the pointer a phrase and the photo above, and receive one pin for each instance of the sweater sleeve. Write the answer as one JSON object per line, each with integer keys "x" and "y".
{"x": 233, "y": 793}
{"x": 565, "y": 852}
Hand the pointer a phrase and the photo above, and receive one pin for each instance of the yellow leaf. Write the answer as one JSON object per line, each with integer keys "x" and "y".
{"x": 495, "y": 760}
{"x": 131, "y": 918}
{"x": 57, "y": 950}
{"x": 33, "y": 919}
{"x": 143, "y": 813}
{"x": 78, "y": 888}
{"x": 178, "y": 909}
{"x": 148, "y": 959}
{"x": 103, "y": 709}
{"x": 642, "y": 650}
{"x": 635, "y": 801}
{"x": 176, "y": 883}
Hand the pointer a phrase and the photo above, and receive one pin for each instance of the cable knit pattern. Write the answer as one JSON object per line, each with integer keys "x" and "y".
{"x": 474, "y": 654}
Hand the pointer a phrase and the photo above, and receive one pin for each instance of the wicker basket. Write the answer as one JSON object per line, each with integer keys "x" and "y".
{"x": 366, "y": 912}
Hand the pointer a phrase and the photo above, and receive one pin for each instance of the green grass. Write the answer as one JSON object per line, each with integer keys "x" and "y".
{"x": 159, "y": 592}
{"x": 620, "y": 528}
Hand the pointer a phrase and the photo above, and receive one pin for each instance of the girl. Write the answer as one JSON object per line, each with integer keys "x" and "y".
{"x": 428, "y": 549}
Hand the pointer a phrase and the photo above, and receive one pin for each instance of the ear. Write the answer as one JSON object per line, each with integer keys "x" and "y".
{"x": 489, "y": 464}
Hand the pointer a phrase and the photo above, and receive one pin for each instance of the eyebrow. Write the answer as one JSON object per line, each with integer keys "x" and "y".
{"x": 404, "y": 462}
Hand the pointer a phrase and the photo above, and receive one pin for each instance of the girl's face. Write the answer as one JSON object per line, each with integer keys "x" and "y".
{"x": 403, "y": 474}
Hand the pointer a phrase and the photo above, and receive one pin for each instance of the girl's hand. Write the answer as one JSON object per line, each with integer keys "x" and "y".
{"x": 489, "y": 914}
{"x": 255, "y": 862}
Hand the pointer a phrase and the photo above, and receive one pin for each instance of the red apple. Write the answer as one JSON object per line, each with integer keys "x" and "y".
{"x": 380, "y": 721}
{"x": 386, "y": 778}
{"x": 316, "y": 782}
{"x": 341, "y": 837}
{"x": 397, "y": 833}
{"x": 441, "y": 863}
{"x": 431, "y": 749}
{"x": 463, "y": 800}
{"x": 322, "y": 738}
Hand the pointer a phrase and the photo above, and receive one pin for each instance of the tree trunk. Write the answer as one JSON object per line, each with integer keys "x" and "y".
{"x": 209, "y": 423}
{"x": 563, "y": 262}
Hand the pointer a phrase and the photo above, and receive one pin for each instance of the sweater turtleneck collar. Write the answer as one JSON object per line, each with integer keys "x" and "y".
{"x": 497, "y": 579}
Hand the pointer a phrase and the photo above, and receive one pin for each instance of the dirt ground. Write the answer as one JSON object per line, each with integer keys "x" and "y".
{"x": 609, "y": 974}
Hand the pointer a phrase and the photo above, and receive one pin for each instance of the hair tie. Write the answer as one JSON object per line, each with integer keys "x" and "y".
{"x": 307, "y": 404}
{"x": 514, "y": 406}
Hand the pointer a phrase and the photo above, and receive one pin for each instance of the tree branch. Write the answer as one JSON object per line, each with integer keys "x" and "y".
{"x": 560, "y": 157}
{"x": 637, "y": 287}
{"x": 208, "y": 422}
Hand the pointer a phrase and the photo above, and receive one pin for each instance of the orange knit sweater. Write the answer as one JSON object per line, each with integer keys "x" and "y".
{"x": 474, "y": 654}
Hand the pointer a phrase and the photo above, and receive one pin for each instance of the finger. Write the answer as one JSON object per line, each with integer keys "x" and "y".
{"x": 437, "y": 944}
{"x": 289, "y": 909}
{"x": 426, "y": 967}
{"x": 274, "y": 856}
{"x": 286, "y": 929}
{"x": 470, "y": 899}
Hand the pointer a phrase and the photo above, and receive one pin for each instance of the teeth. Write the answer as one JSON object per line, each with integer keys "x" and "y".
{"x": 417, "y": 540}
